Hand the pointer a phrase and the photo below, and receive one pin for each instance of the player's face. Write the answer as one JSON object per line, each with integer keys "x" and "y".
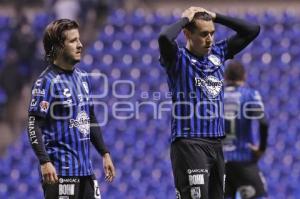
{"x": 201, "y": 39}
{"x": 72, "y": 46}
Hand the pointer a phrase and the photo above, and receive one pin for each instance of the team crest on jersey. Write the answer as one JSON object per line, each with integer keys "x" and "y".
{"x": 86, "y": 87}
{"x": 211, "y": 85}
{"x": 215, "y": 60}
{"x": 82, "y": 123}
{"x": 195, "y": 193}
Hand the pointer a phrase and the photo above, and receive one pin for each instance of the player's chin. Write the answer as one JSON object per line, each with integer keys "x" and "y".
{"x": 207, "y": 50}
{"x": 76, "y": 60}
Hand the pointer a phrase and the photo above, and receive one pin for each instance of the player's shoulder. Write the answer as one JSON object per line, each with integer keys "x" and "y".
{"x": 220, "y": 43}
{"x": 46, "y": 76}
{"x": 182, "y": 51}
{"x": 84, "y": 75}
{"x": 81, "y": 72}
{"x": 219, "y": 48}
{"x": 250, "y": 92}
{"x": 250, "y": 89}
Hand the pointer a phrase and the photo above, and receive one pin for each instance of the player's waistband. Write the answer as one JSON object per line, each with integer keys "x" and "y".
{"x": 209, "y": 140}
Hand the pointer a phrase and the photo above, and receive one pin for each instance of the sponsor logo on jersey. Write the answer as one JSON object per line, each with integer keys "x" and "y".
{"x": 191, "y": 171}
{"x": 82, "y": 123}
{"x": 67, "y": 92}
{"x": 33, "y": 103}
{"x": 66, "y": 189}
{"x": 31, "y": 130}
{"x": 39, "y": 82}
{"x": 38, "y": 92}
{"x": 68, "y": 180}
{"x": 210, "y": 85}
{"x": 197, "y": 179}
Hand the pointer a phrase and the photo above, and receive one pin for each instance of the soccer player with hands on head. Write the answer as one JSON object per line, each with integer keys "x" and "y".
{"x": 196, "y": 80}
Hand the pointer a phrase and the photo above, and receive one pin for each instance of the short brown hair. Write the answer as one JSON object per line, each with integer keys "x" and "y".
{"x": 235, "y": 71}
{"x": 198, "y": 16}
{"x": 54, "y": 37}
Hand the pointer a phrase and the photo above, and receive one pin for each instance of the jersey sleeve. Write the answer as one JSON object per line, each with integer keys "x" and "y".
{"x": 167, "y": 43}
{"x": 171, "y": 64}
{"x": 42, "y": 95}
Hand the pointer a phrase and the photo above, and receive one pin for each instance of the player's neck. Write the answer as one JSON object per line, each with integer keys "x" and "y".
{"x": 190, "y": 48}
{"x": 63, "y": 64}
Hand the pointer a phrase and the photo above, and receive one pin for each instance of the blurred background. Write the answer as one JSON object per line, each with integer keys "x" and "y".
{"x": 120, "y": 40}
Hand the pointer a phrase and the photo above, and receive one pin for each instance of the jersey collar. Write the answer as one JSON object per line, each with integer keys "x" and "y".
{"x": 61, "y": 70}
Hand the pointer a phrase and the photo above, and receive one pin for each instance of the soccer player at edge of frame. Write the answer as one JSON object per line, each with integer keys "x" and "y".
{"x": 62, "y": 121}
{"x": 198, "y": 128}
{"x": 241, "y": 153}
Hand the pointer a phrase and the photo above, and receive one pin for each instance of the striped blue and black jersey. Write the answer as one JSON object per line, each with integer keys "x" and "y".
{"x": 63, "y": 100}
{"x": 197, "y": 90}
{"x": 242, "y": 106}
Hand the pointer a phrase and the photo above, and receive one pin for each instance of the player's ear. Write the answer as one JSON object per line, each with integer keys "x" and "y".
{"x": 57, "y": 49}
{"x": 187, "y": 33}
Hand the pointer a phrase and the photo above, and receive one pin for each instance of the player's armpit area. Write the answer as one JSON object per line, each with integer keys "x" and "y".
{"x": 36, "y": 138}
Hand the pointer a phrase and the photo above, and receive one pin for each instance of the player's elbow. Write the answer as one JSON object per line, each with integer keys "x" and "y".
{"x": 162, "y": 39}
{"x": 162, "y": 35}
{"x": 255, "y": 31}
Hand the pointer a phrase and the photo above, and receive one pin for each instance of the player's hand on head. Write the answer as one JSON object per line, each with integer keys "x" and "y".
{"x": 212, "y": 14}
{"x": 109, "y": 168}
{"x": 49, "y": 173}
{"x": 191, "y": 11}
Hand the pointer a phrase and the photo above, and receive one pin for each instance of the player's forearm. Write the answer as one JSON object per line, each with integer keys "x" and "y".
{"x": 96, "y": 136}
{"x": 166, "y": 40}
{"x": 242, "y": 27}
{"x": 170, "y": 32}
{"x": 246, "y": 32}
{"x": 263, "y": 129}
{"x": 36, "y": 138}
